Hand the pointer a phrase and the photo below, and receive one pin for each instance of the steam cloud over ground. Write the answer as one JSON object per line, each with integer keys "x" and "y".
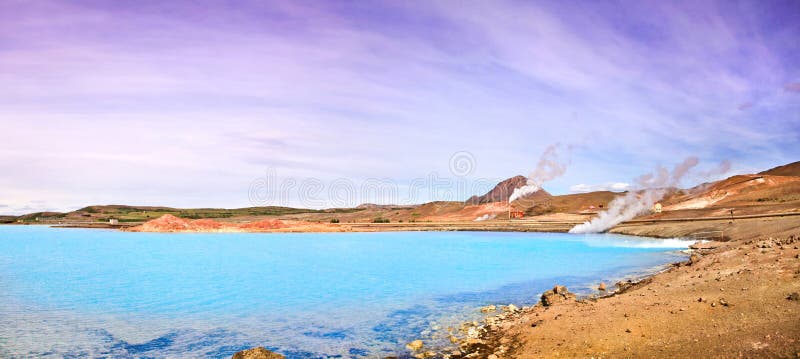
{"x": 550, "y": 166}
{"x": 652, "y": 186}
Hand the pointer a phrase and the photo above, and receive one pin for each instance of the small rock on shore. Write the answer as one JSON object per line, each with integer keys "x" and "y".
{"x": 257, "y": 353}
{"x": 558, "y": 294}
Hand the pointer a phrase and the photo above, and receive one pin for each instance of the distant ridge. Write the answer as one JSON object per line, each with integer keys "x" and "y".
{"x": 792, "y": 169}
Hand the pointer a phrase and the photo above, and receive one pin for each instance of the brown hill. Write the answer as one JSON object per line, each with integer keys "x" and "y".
{"x": 792, "y": 169}
{"x": 741, "y": 190}
{"x": 589, "y": 202}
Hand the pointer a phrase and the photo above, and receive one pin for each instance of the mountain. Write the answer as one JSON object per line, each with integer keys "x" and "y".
{"x": 502, "y": 191}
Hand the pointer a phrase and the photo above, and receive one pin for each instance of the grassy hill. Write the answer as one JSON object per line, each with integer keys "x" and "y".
{"x": 144, "y": 213}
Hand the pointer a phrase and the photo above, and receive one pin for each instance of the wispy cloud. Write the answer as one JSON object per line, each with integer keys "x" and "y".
{"x": 183, "y": 104}
{"x": 792, "y": 87}
{"x": 614, "y": 187}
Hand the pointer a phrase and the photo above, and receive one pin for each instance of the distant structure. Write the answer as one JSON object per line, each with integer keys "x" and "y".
{"x": 516, "y": 214}
{"x": 657, "y": 208}
{"x": 113, "y": 221}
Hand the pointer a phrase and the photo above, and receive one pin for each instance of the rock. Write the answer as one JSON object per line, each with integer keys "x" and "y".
{"x": 257, "y": 353}
{"x": 510, "y": 308}
{"x": 468, "y": 343}
{"x": 492, "y": 356}
{"x": 415, "y": 345}
{"x": 694, "y": 258}
{"x": 794, "y": 296}
{"x": 723, "y": 302}
{"x": 628, "y": 285}
{"x": 488, "y": 309}
{"x": 558, "y": 294}
{"x": 452, "y": 339}
{"x": 704, "y": 245}
{"x": 602, "y": 287}
{"x": 425, "y": 355}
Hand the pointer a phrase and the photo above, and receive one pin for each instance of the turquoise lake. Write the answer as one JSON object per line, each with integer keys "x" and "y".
{"x": 103, "y": 293}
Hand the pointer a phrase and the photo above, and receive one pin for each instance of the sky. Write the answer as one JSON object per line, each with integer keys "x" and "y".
{"x": 331, "y": 104}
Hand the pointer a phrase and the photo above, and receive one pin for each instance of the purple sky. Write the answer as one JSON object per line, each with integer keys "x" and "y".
{"x": 188, "y": 103}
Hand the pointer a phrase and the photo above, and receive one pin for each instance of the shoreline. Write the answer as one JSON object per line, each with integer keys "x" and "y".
{"x": 536, "y": 331}
{"x": 654, "y": 228}
{"x": 471, "y": 338}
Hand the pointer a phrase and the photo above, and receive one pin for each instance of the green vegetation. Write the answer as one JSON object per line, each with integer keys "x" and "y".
{"x": 145, "y": 213}
{"x": 380, "y": 220}
{"x": 140, "y": 214}
{"x": 39, "y": 217}
{"x": 342, "y": 210}
{"x": 89, "y": 209}
{"x": 335, "y": 220}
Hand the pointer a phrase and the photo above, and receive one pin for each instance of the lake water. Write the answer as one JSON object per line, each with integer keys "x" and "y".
{"x": 94, "y": 293}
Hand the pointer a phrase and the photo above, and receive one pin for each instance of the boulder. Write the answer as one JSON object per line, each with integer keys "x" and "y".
{"x": 558, "y": 294}
{"x": 705, "y": 245}
{"x": 601, "y": 287}
{"x": 415, "y": 345}
{"x": 257, "y": 353}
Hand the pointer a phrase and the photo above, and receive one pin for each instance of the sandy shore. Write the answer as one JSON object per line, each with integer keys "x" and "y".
{"x": 735, "y": 298}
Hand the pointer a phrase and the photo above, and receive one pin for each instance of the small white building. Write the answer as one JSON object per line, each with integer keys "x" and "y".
{"x": 113, "y": 221}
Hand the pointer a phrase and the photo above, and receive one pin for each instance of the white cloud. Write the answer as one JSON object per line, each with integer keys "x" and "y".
{"x": 614, "y": 186}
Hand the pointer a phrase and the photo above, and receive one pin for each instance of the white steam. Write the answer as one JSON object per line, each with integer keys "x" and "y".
{"x": 549, "y": 167}
{"x": 721, "y": 169}
{"x": 485, "y": 217}
{"x": 653, "y": 187}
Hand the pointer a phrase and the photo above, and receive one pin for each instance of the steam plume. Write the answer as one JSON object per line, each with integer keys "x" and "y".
{"x": 711, "y": 175}
{"x": 549, "y": 167}
{"x": 485, "y": 217}
{"x": 721, "y": 169}
{"x": 653, "y": 187}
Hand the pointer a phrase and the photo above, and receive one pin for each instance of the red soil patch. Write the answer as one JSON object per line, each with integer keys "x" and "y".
{"x": 170, "y": 223}
{"x": 265, "y": 224}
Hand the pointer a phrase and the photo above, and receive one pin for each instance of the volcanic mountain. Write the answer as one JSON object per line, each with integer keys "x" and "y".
{"x": 503, "y": 190}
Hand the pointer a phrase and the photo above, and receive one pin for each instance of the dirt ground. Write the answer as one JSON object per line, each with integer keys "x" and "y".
{"x": 733, "y": 299}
